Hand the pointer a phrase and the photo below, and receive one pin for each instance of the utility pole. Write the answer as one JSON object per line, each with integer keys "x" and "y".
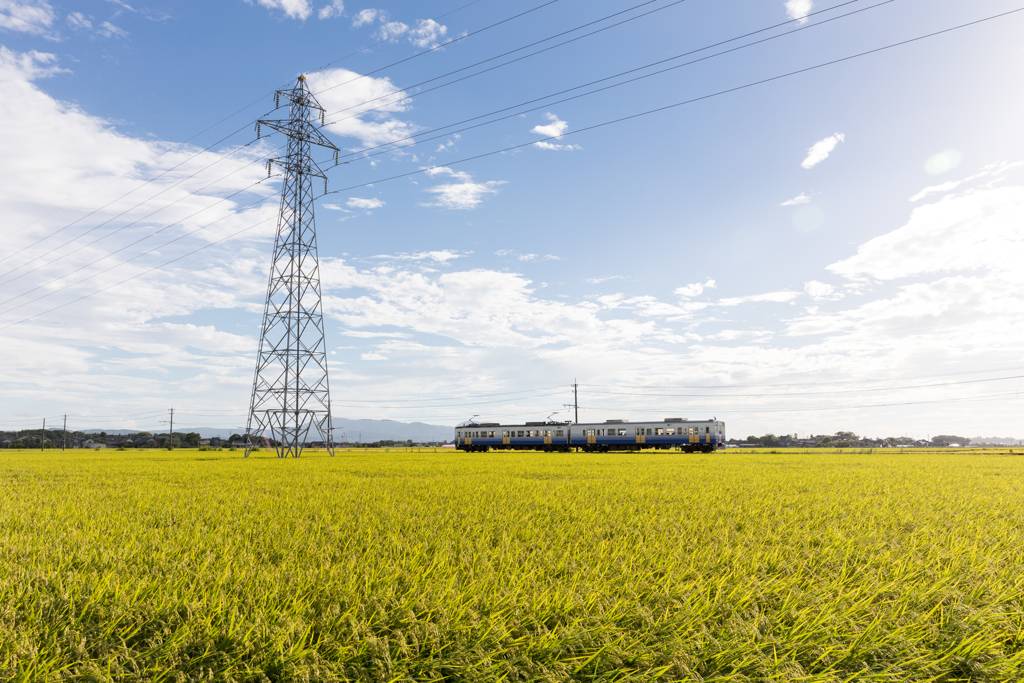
{"x": 42, "y": 439}
{"x": 170, "y": 431}
{"x": 290, "y": 393}
{"x": 64, "y": 446}
{"x": 576, "y": 400}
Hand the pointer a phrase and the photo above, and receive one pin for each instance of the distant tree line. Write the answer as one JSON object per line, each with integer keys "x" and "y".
{"x": 55, "y": 438}
{"x": 844, "y": 439}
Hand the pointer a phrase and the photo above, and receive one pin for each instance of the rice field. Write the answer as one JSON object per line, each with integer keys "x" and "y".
{"x": 414, "y": 565}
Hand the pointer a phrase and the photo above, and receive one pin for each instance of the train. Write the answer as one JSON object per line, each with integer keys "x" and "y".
{"x": 611, "y": 435}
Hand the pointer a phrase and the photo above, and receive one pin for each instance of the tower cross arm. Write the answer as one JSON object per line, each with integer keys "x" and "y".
{"x": 299, "y": 129}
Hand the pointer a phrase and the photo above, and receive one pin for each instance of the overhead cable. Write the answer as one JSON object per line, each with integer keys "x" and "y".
{"x": 683, "y": 103}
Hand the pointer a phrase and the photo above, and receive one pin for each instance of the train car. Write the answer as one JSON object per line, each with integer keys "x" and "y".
{"x": 531, "y": 436}
{"x": 672, "y": 432}
{"x": 612, "y": 435}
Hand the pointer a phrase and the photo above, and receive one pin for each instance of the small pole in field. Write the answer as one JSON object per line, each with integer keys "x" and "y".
{"x": 64, "y": 445}
{"x": 42, "y": 439}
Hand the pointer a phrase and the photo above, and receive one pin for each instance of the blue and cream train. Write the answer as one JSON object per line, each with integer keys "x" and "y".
{"x": 612, "y": 435}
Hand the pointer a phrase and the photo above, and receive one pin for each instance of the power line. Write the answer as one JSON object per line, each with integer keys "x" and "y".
{"x": 683, "y": 103}
{"x": 137, "y": 256}
{"x": 389, "y": 38}
{"x": 504, "y": 54}
{"x": 117, "y": 199}
{"x": 141, "y": 239}
{"x": 145, "y": 272}
{"x": 420, "y": 140}
{"x": 438, "y": 47}
{"x": 112, "y": 218}
{"x": 719, "y": 409}
{"x": 799, "y": 384}
{"x": 813, "y": 393}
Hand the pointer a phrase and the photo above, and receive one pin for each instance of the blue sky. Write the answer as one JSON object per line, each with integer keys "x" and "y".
{"x": 838, "y": 249}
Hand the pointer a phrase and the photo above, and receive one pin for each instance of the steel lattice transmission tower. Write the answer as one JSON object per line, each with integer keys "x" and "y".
{"x": 290, "y": 394}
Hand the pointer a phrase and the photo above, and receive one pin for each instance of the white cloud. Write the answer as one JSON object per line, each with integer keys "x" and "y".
{"x": 373, "y": 356}
{"x": 944, "y": 187}
{"x": 979, "y": 230}
{"x": 557, "y": 148}
{"x": 796, "y": 201}
{"x": 799, "y": 9}
{"x": 512, "y": 253}
{"x": 390, "y": 30}
{"x": 820, "y": 150}
{"x": 362, "y": 334}
{"x": 820, "y": 291}
{"x": 770, "y": 297}
{"x": 341, "y": 92}
{"x": 27, "y": 16}
{"x": 995, "y": 171}
{"x": 364, "y": 17}
{"x": 360, "y": 203}
{"x": 439, "y": 256}
{"x": 110, "y": 31}
{"x": 462, "y": 195}
{"x": 77, "y": 20}
{"x": 556, "y": 129}
{"x": 695, "y": 289}
{"x": 335, "y": 9}
{"x": 606, "y": 278}
{"x": 427, "y": 34}
{"x": 295, "y": 9}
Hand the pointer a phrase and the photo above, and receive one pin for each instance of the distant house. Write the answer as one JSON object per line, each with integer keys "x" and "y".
{"x": 94, "y": 444}
{"x": 204, "y": 442}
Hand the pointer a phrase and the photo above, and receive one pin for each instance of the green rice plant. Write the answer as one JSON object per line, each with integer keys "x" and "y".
{"x": 882, "y": 565}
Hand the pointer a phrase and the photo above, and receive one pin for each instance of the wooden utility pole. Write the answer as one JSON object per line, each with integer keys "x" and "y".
{"x": 42, "y": 439}
{"x": 576, "y": 400}
{"x": 64, "y": 446}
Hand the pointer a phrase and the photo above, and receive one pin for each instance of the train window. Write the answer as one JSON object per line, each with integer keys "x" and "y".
{"x": 458, "y": 433}
{"x": 638, "y": 431}
{"x": 560, "y": 432}
{"x": 622, "y": 432}
{"x": 659, "y": 431}
{"x": 648, "y": 431}
{"x": 490, "y": 435}
{"x": 520, "y": 432}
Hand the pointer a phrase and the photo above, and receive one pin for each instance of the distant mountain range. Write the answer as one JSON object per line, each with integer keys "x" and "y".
{"x": 362, "y": 431}
{"x": 999, "y": 440}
